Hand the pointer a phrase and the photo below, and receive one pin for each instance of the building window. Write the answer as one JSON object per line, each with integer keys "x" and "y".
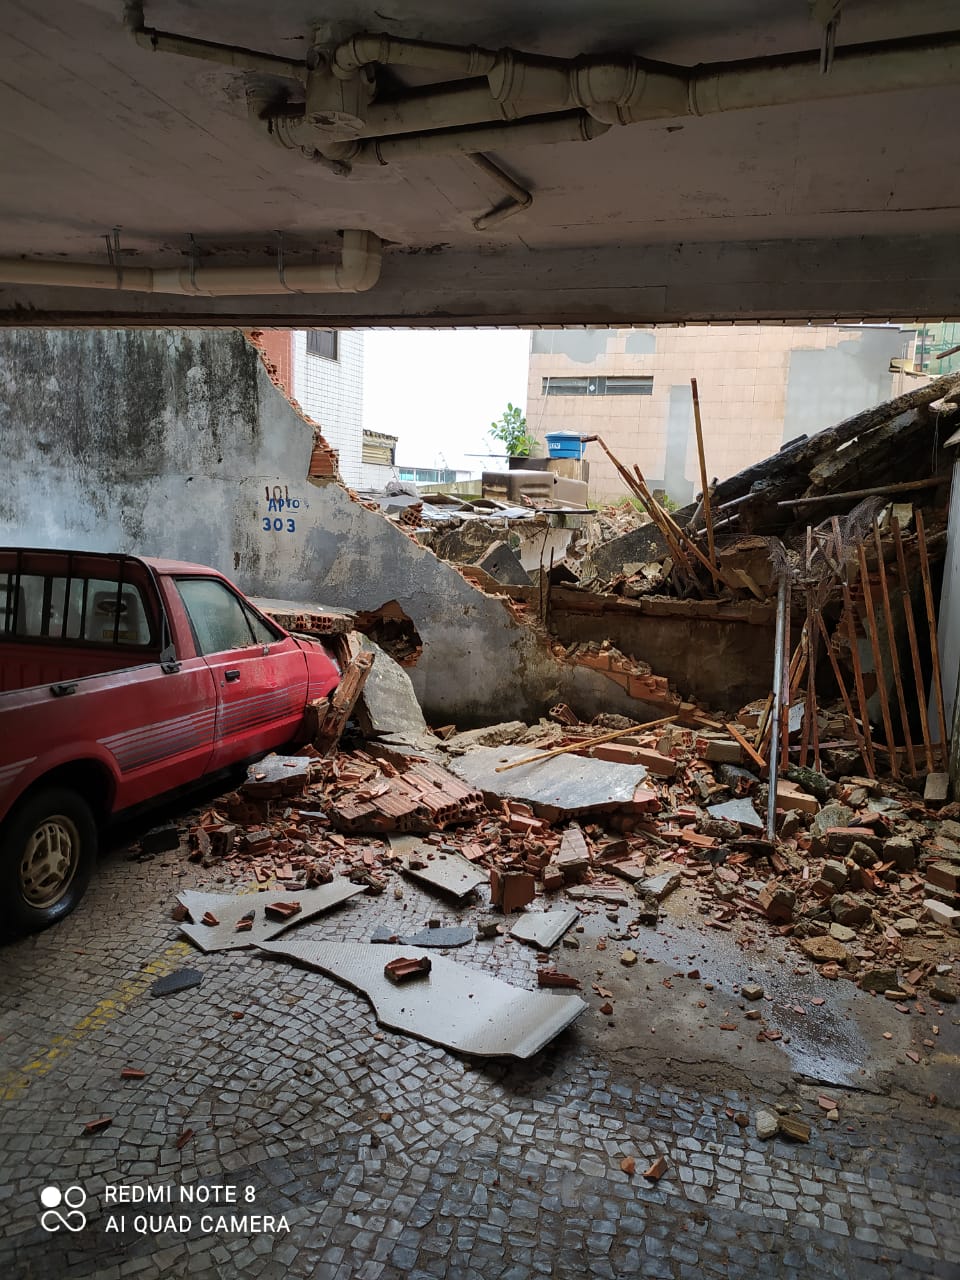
{"x": 428, "y": 475}
{"x": 599, "y": 386}
{"x": 323, "y": 342}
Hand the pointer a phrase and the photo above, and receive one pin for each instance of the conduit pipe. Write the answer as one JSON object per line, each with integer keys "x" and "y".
{"x": 519, "y": 197}
{"x": 575, "y": 126}
{"x": 626, "y": 90}
{"x": 389, "y": 51}
{"x": 856, "y": 70}
{"x": 226, "y": 55}
{"x": 357, "y": 271}
{"x": 610, "y": 89}
{"x": 572, "y": 127}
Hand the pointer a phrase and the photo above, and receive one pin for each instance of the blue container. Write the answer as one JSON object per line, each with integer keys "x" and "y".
{"x": 560, "y": 444}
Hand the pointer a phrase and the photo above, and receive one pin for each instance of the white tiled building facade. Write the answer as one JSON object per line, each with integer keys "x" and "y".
{"x": 329, "y": 386}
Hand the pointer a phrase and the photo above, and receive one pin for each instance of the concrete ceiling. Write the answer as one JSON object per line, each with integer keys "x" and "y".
{"x": 845, "y": 208}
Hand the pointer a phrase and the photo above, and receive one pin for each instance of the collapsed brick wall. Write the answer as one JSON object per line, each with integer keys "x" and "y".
{"x": 276, "y": 352}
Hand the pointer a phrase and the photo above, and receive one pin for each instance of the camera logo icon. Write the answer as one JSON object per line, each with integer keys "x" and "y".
{"x": 63, "y": 1208}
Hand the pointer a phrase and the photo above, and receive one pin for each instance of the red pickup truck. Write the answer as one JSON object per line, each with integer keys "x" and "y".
{"x": 123, "y": 678}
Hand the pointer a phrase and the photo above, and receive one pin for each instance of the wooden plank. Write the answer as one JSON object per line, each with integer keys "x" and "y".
{"x": 585, "y": 742}
{"x": 934, "y": 646}
{"x": 858, "y": 680}
{"x": 784, "y": 726}
{"x": 737, "y": 736}
{"x": 841, "y": 685}
{"x": 879, "y": 491}
{"x": 892, "y": 647}
{"x": 906, "y": 603}
{"x": 704, "y": 483}
{"x": 652, "y": 508}
{"x": 761, "y": 733}
{"x": 871, "y": 626}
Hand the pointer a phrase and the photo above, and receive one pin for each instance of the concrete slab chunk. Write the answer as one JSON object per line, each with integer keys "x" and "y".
{"x": 659, "y": 886}
{"x": 741, "y": 811}
{"x": 600, "y": 893}
{"x": 452, "y": 936}
{"x": 936, "y": 789}
{"x": 566, "y": 784}
{"x": 275, "y": 776}
{"x": 544, "y": 929}
{"x": 388, "y": 705}
{"x": 447, "y": 872}
{"x": 230, "y": 908}
{"x": 455, "y": 1006}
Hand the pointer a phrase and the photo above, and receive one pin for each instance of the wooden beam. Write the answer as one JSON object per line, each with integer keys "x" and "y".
{"x": 704, "y": 482}
{"x": 858, "y": 679}
{"x": 903, "y": 486}
{"x": 873, "y": 633}
{"x": 892, "y": 646}
{"x": 737, "y": 736}
{"x": 906, "y": 602}
{"x": 934, "y": 647}
{"x": 841, "y": 685}
{"x": 585, "y": 742}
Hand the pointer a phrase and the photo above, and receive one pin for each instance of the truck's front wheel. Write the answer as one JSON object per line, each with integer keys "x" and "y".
{"x": 49, "y": 847}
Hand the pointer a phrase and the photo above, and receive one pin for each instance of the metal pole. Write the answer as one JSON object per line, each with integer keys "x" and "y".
{"x": 777, "y": 706}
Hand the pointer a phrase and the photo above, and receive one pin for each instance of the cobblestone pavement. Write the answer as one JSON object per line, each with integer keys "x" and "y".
{"x": 389, "y": 1158}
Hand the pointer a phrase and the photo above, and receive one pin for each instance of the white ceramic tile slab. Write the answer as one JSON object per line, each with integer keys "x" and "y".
{"x": 229, "y": 908}
{"x": 454, "y": 1006}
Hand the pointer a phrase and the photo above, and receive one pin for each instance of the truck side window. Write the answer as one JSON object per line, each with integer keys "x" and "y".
{"x": 263, "y": 633}
{"x": 218, "y": 618}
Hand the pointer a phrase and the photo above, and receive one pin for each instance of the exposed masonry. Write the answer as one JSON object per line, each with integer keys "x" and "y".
{"x": 178, "y": 443}
{"x": 641, "y": 689}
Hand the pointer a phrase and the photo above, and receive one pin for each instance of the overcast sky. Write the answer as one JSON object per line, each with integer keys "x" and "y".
{"x": 439, "y": 390}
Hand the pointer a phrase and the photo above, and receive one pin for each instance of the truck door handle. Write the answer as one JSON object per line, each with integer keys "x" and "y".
{"x": 231, "y": 676}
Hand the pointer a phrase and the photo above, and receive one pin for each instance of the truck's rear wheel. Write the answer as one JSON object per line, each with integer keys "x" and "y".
{"x": 49, "y": 847}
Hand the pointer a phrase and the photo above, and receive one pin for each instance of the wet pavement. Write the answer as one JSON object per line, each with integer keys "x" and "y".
{"x": 279, "y": 1132}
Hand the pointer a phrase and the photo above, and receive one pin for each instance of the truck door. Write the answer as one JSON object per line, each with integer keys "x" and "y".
{"x": 259, "y": 672}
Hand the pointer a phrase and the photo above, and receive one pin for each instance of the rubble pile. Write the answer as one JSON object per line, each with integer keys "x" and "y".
{"x": 720, "y": 549}
{"x": 863, "y": 876}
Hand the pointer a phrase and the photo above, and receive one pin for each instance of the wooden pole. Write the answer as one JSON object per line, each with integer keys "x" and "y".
{"x": 934, "y": 647}
{"x": 670, "y": 531}
{"x": 841, "y": 685}
{"x": 652, "y": 508}
{"x": 905, "y": 486}
{"x": 892, "y": 646}
{"x": 737, "y": 736}
{"x": 906, "y": 603}
{"x": 585, "y": 742}
{"x": 784, "y": 725}
{"x": 809, "y": 701}
{"x": 761, "y": 733}
{"x": 794, "y": 673}
{"x": 858, "y": 679}
{"x": 682, "y": 536}
{"x": 705, "y": 486}
{"x": 871, "y": 627}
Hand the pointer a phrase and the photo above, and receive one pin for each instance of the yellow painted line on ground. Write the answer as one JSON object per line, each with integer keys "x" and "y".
{"x": 14, "y": 1084}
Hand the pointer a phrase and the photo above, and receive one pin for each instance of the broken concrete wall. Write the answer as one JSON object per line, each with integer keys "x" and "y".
{"x": 176, "y": 443}
{"x": 723, "y": 662}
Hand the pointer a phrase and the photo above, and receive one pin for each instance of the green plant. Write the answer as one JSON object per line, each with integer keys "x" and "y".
{"x": 511, "y": 430}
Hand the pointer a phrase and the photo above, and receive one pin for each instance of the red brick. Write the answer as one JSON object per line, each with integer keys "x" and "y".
{"x": 405, "y": 968}
{"x": 511, "y": 890}
{"x": 551, "y": 978}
